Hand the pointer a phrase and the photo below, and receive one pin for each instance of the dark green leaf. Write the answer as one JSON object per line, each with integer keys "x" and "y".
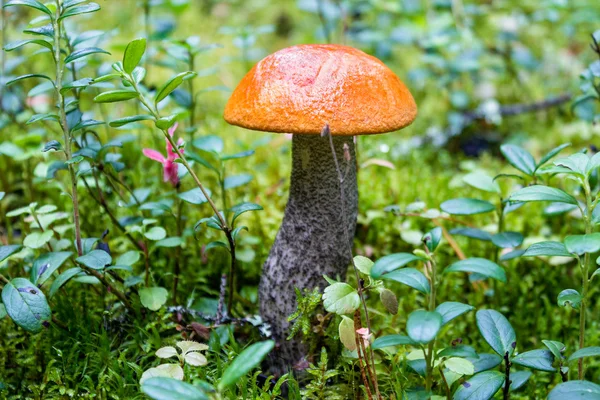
{"x": 15, "y": 45}
{"x": 172, "y": 84}
{"x": 84, "y": 9}
{"x": 432, "y": 238}
{"x": 113, "y": 96}
{"x": 452, "y": 309}
{"x": 569, "y": 297}
{"x": 86, "y": 124}
{"x": 77, "y": 54}
{"x": 163, "y": 388}
{"x": 245, "y": 362}
{"x": 551, "y": 154}
{"x": 62, "y": 279}
{"x": 485, "y": 362}
{"x": 133, "y": 54}
{"x": 549, "y": 249}
{"x": 241, "y": 208}
{"x": 575, "y": 390}
{"x": 581, "y": 244}
{"x": 542, "y": 193}
{"x": 46, "y": 264}
{"x": 43, "y": 117}
{"x": 28, "y": 76}
{"x": 518, "y": 379}
{"x": 391, "y": 262}
{"x": 593, "y": 351}
{"x": 128, "y": 120}
{"x": 519, "y": 158}
{"x": 45, "y": 30}
{"x": 557, "y": 348}
{"x": 423, "y": 326}
{"x": 95, "y": 259}
{"x": 30, "y": 3}
{"x": 78, "y": 84}
{"x": 507, "y": 240}
{"x": 540, "y": 360}
{"x": 194, "y": 196}
{"x": 26, "y": 304}
{"x": 482, "y": 386}
{"x": 472, "y": 233}
{"x": 410, "y": 277}
{"x": 459, "y": 350}
{"x": 497, "y": 331}
{"x": 479, "y": 266}
{"x": 391, "y": 340}
{"x": 7, "y": 251}
{"x": 467, "y": 206}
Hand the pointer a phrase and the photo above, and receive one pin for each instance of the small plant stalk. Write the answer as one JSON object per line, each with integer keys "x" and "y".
{"x": 361, "y": 355}
{"x": 222, "y": 221}
{"x": 585, "y": 280}
{"x": 429, "y": 357}
{"x": 507, "y": 382}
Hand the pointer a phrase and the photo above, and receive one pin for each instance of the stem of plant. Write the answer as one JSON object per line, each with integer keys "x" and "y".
{"x": 507, "y": 382}
{"x": 585, "y": 280}
{"x": 57, "y": 26}
{"x": 432, "y": 304}
{"x": 347, "y": 240}
{"x": 224, "y": 226}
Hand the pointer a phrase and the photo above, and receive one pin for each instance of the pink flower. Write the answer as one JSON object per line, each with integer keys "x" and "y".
{"x": 169, "y": 164}
{"x": 365, "y": 334}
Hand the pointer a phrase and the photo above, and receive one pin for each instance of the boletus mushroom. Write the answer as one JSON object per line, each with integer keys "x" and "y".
{"x": 301, "y": 90}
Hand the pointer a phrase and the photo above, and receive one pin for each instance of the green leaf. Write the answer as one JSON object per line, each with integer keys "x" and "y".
{"x": 576, "y": 164}
{"x": 507, "y": 240}
{"x": 153, "y": 298}
{"x": 7, "y": 251}
{"x": 113, "y": 96}
{"x": 347, "y": 333}
{"x": 86, "y": 124}
{"x": 467, "y": 206}
{"x": 20, "y": 43}
{"x": 518, "y": 379}
{"x": 128, "y": 120}
{"x": 410, "y": 277}
{"x": 234, "y": 181}
{"x": 519, "y": 158}
{"x": 95, "y": 259}
{"x": 341, "y": 298}
{"x": 542, "y": 193}
{"x": 172, "y": 84}
{"x": 592, "y": 351}
{"x": 569, "y": 297}
{"x": 43, "y": 117}
{"x": 472, "y": 233}
{"x": 557, "y": 348}
{"x": 84, "y": 9}
{"x": 540, "y": 360}
{"x": 432, "y": 238}
{"x": 363, "y": 264}
{"x": 133, "y": 54}
{"x": 174, "y": 241}
{"x": 482, "y": 181}
{"x": 30, "y": 3}
{"x": 163, "y": 388}
{"x": 194, "y": 196}
{"x": 46, "y": 264}
{"x": 156, "y": 233}
{"x": 166, "y": 123}
{"x": 62, "y": 279}
{"x": 575, "y": 390}
{"x": 551, "y": 154}
{"x": 485, "y": 361}
{"x": 482, "y": 386}
{"x": 459, "y": 350}
{"x": 28, "y": 76}
{"x": 246, "y": 361}
{"x": 452, "y": 309}
{"x": 581, "y": 244}
{"x": 460, "y": 366}
{"x": 549, "y": 249}
{"x": 37, "y": 239}
{"x": 391, "y": 262}
{"x": 479, "y": 266}
{"x": 497, "y": 331}
{"x": 78, "y": 84}
{"x": 26, "y": 304}
{"x": 423, "y": 326}
{"x": 77, "y": 54}
{"x": 241, "y": 208}
{"x": 391, "y": 340}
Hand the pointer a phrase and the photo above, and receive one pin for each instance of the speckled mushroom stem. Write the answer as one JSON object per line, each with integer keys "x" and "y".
{"x": 311, "y": 241}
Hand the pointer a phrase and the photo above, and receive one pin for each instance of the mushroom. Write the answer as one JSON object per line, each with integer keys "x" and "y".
{"x": 301, "y": 90}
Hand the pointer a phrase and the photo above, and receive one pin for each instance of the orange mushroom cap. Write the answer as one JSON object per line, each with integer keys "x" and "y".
{"x": 299, "y": 89}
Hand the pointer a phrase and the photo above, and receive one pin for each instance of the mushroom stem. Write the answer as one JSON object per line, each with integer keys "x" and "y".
{"x": 311, "y": 241}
